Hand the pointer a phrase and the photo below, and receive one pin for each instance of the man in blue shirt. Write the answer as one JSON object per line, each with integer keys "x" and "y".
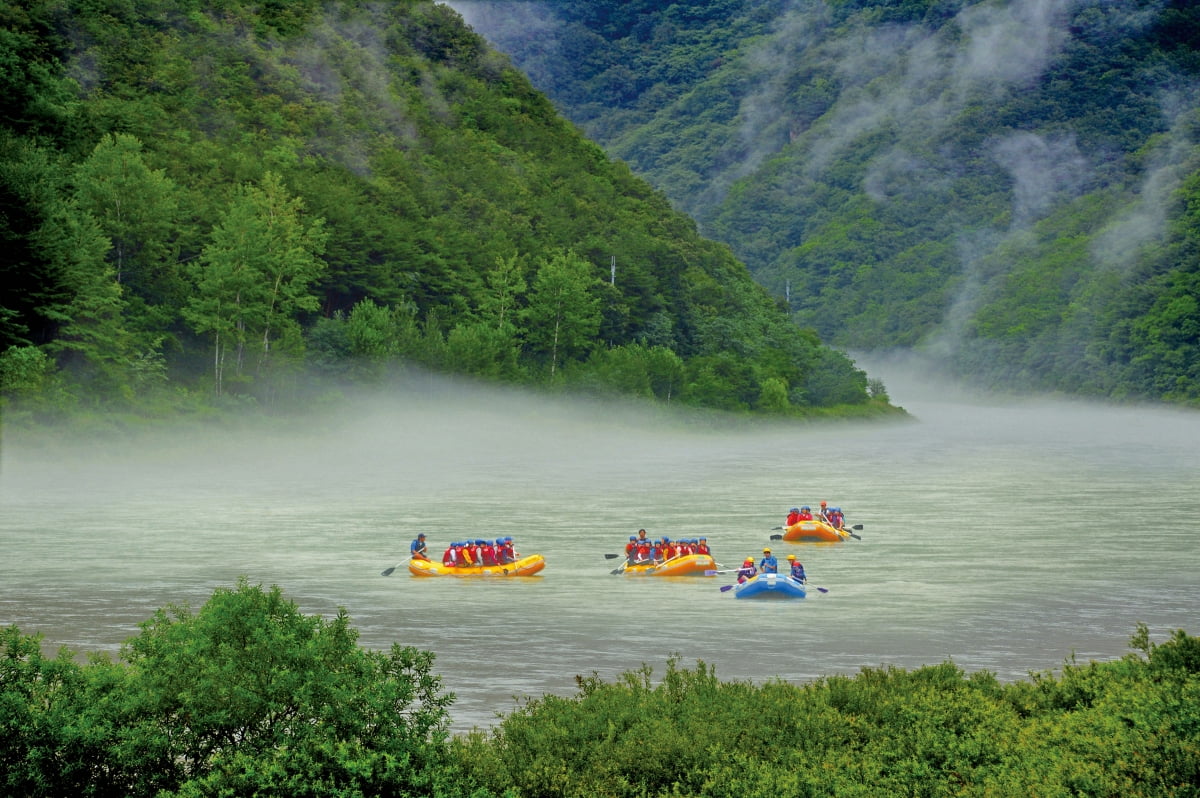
{"x": 418, "y": 548}
{"x": 768, "y": 564}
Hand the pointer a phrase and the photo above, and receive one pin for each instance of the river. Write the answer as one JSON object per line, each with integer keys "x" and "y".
{"x": 1001, "y": 534}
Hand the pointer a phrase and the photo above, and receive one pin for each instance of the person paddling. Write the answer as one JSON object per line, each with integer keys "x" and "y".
{"x": 747, "y": 570}
{"x": 768, "y": 564}
{"x": 417, "y": 550}
{"x": 797, "y": 571}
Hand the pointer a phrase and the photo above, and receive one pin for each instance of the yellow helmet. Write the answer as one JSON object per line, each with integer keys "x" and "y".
{"x": 791, "y": 556}
{"x": 766, "y": 551}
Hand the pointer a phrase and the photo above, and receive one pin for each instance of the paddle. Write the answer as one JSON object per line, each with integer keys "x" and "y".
{"x": 388, "y": 571}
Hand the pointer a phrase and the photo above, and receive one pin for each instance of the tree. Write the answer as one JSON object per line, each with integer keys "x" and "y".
{"x": 136, "y": 208}
{"x": 563, "y": 315}
{"x": 94, "y": 342}
{"x": 254, "y": 276}
{"x": 505, "y": 287}
{"x": 248, "y": 696}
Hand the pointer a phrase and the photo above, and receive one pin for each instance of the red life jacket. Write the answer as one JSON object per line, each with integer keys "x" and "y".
{"x": 448, "y": 557}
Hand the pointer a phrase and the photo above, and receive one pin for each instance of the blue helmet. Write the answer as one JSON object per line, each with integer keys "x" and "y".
{"x": 806, "y": 508}
{"x": 633, "y": 537}
{"x": 794, "y": 510}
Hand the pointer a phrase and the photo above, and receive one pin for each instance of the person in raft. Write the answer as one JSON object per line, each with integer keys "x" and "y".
{"x": 505, "y": 551}
{"x": 797, "y": 572}
{"x": 768, "y": 564}
{"x": 417, "y": 550}
{"x": 702, "y": 547}
{"x": 793, "y": 517}
{"x": 644, "y": 553}
{"x": 825, "y": 512}
{"x": 747, "y": 570}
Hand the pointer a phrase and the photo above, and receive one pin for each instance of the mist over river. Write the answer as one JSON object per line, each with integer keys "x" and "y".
{"x": 1001, "y": 534}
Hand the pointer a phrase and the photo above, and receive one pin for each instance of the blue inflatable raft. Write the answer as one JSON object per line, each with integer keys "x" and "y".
{"x": 770, "y": 586}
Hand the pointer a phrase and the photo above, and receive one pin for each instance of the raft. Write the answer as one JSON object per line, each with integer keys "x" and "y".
{"x": 770, "y": 586}
{"x": 815, "y": 531}
{"x": 525, "y": 566}
{"x": 687, "y": 565}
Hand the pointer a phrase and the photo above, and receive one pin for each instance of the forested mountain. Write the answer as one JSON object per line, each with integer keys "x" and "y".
{"x": 215, "y": 197}
{"x": 1012, "y": 186}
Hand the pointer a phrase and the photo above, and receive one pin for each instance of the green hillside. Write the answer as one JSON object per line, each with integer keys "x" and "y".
{"x": 232, "y": 202}
{"x": 1010, "y": 187}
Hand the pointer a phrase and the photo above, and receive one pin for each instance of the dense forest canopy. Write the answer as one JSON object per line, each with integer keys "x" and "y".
{"x": 1008, "y": 185}
{"x": 210, "y": 199}
{"x": 246, "y": 695}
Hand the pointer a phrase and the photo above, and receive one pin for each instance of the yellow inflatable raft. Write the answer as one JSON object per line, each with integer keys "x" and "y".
{"x": 528, "y": 565}
{"x": 815, "y": 531}
{"x": 687, "y": 565}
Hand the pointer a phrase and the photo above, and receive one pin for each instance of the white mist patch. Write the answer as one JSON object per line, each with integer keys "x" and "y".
{"x": 1009, "y": 43}
{"x": 1045, "y": 171}
{"x": 1144, "y": 221}
{"x": 420, "y": 437}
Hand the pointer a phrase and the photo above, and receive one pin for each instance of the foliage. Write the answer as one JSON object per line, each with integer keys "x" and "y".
{"x": 248, "y": 696}
{"x": 992, "y": 182}
{"x": 213, "y": 197}
{"x": 244, "y": 696}
{"x": 1126, "y": 727}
